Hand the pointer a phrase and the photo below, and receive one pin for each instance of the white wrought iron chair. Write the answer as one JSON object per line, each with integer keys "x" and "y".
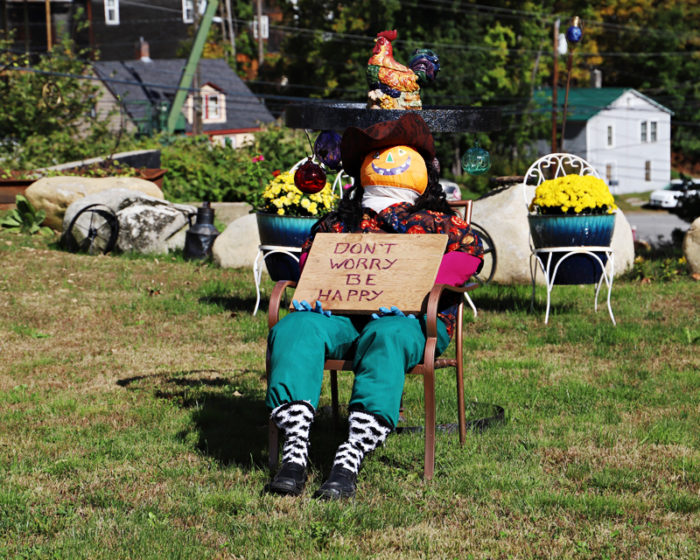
{"x": 551, "y": 166}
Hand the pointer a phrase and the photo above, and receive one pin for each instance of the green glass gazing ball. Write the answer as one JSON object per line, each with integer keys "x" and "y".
{"x": 476, "y": 160}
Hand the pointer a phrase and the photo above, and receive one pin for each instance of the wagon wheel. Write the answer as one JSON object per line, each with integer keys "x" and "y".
{"x": 92, "y": 230}
{"x": 489, "y": 268}
{"x": 51, "y": 95}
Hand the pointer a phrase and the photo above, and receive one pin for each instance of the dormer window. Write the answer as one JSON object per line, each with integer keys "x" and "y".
{"x": 212, "y": 102}
{"x": 211, "y": 106}
{"x": 111, "y": 12}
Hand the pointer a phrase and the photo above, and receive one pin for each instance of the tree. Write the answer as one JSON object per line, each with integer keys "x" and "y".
{"x": 48, "y": 104}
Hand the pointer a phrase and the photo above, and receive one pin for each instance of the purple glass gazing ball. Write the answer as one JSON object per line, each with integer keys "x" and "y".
{"x": 327, "y": 149}
{"x": 574, "y": 34}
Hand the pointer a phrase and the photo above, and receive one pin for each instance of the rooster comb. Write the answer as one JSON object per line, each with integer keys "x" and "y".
{"x": 388, "y": 35}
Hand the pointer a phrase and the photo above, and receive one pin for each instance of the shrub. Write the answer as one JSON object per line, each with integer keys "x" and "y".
{"x": 200, "y": 170}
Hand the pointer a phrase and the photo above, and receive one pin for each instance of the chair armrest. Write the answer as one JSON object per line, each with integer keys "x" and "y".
{"x": 434, "y": 299}
{"x": 273, "y": 312}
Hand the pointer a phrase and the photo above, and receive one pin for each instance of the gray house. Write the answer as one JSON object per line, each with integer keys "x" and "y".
{"x": 624, "y": 134}
{"x": 143, "y": 90}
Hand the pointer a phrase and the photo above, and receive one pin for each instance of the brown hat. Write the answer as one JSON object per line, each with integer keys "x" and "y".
{"x": 409, "y": 130}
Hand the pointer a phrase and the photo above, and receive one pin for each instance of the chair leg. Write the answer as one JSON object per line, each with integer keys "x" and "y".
{"x": 273, "y": 440}
{"x": 461, "y": 415}
{"x": 334, "y": 399}
{"x": 429, "y": 396}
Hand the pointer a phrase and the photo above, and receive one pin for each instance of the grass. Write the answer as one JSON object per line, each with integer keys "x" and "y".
{"x": 132, "y": 424}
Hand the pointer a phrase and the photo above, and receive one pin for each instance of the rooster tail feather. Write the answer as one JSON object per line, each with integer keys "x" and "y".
{"x": 425, "y": 64}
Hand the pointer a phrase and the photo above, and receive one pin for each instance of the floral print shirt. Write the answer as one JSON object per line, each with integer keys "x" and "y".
{"x": 399, "y": 218}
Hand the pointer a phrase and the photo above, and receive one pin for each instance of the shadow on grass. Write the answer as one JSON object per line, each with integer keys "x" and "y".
{"x": 518, "y": 299}
{"x": 235, "y": 304}
{"x": 231, "y": 423}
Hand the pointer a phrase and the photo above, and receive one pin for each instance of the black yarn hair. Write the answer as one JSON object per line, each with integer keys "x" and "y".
{"x": 349, "y": 209}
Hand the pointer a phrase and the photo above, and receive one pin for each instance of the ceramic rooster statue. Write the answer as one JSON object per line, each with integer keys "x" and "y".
{"x": 393, "y": 85}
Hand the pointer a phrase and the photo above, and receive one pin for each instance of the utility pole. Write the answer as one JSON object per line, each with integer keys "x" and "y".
{"x": 190, "y": 67}
{"x": 260, "y": 33}
{"x": 91, "y": 31}
{"x": 555, "y": 83}
{"x": 231, "y": 36}
{"x": 49, "y": 40}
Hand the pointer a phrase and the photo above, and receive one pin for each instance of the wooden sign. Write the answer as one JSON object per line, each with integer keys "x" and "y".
{"x": 361, "y": 272}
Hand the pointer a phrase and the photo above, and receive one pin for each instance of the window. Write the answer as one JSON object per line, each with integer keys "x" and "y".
{"x": 211, "y": 106}
{"x": 647, "y": 170}
{"x": 610, "y": 135}
{"x": 652, "y": 131}
{"x": 188, "y": 11}
{"x": 608, "y": 172}
{"x": 111, "y": 12}
{"x": 643, "y": 131}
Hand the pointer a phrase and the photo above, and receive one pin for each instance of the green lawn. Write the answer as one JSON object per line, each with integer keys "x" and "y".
{"x": 132, "y": 424}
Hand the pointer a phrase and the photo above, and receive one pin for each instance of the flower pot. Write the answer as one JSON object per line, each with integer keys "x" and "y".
{"x": 283, "y": 231}
{"x": 10, "y": 188}
{"x": 573, "y": 231}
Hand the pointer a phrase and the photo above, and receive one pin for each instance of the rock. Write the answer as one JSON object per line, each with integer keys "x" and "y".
{"x": 237, "y": 245}
{"x": 227, "y": 212}
{"x": 691, "y": 246}
{"x": 146, "y": 224}
{"x": 503, "y": 214}
{"x": 55, "y": 194}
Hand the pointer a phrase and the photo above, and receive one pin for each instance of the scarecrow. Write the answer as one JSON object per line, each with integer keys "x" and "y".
{"x": 396, "y": 190}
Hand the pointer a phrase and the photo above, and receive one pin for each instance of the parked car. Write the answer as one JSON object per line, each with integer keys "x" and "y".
{"x": 669, "y": 195}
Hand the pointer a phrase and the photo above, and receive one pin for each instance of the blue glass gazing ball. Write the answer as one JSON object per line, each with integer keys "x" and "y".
{"x": 476, "y": 160}
{"x": 574, "y": 34}
{"x": 327, "y": 149}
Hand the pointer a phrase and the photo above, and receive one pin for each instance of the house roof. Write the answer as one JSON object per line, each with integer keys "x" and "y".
{"x": 585, "y": 103}
{"x": 141, "y": 86}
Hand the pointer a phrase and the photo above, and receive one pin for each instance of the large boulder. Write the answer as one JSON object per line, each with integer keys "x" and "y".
{"x": 691, "y": 246}
{"x": 503, "y": 214}
{"x": 146, "y": 224}
{"x": 237, "y": 245}
{"x": 55, "y": 194}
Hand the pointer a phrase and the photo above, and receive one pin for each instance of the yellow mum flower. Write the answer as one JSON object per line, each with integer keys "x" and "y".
{"x": 282, "y": 197}
{"x": 580, "y": 193}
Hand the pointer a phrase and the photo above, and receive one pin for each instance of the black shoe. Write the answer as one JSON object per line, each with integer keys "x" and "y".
{"x": 289, "y": 480}
{"x": 341, "y": 483}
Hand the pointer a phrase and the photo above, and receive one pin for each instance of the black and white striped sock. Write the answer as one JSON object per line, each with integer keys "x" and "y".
{"x": 367, "y": 432}
{"x": 294, "y": 419}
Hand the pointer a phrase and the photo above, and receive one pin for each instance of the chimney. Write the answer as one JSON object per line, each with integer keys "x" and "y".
{"x": 144, "y": 51}
{"x": 596, "y": 78}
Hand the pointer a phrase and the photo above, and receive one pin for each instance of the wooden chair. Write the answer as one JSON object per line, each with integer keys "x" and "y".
{"x": 426, "y": 368}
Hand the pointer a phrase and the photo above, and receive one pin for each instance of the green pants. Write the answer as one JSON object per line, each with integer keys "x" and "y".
{"x": 384, "y": 350}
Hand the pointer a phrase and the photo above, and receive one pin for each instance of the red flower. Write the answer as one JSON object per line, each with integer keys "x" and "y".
{"x": 276, "y": 172}
{"x": 452, "y": 247}
{"x": 416, "y": 229}
{"x": 458, "y": 221}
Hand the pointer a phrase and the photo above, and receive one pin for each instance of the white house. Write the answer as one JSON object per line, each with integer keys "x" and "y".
{"x": 624, "y": 134}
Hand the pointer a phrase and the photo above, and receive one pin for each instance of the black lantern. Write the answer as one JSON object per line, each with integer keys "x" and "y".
{"x": 200, "y": 237}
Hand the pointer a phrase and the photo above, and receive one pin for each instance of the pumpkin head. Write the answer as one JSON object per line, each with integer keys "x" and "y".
{"x": 397, "y": 166}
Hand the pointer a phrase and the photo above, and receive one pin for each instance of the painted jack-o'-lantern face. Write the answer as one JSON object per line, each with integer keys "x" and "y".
{"x": 398, "y": 166}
